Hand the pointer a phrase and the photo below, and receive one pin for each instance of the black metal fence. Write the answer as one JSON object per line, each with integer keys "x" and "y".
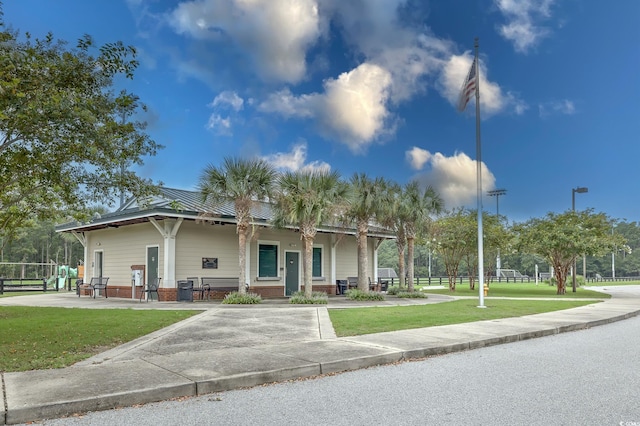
{"x": 524, "y": 279}
{"x": 611, "y": 279}
{"x": 22, "y": 284}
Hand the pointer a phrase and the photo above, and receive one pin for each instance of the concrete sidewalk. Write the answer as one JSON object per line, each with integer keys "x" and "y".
{"x": 228, "y": 347}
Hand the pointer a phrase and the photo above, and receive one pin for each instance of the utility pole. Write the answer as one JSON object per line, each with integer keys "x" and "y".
{"x": 497, "y": 193}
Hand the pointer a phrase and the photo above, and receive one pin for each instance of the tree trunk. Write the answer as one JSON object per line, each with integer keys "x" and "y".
{"x": 363, "y": 258}
{"x": 242, "y": 257}
{"x": 561, "y": 273}
{"x": 410, "y": 244}
{"x": 401, "y": 269}
{"x": 307, "y": 243}
{"x": 452, "y": 282}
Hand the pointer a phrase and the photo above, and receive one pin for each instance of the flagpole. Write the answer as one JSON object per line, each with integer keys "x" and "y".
{"x": 479, "y": 184}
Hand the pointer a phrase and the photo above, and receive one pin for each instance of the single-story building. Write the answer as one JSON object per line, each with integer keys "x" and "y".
{"x": 170, "y": 238}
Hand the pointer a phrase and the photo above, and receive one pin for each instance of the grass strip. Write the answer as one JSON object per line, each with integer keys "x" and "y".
{"x": 521, "y": 290}
{"x": 40, "y": 338}
{"x": 358, "y": 321}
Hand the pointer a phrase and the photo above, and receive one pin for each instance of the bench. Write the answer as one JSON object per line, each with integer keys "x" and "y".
{"x": 222, "y": 285}
{"x": 97, "y": 283}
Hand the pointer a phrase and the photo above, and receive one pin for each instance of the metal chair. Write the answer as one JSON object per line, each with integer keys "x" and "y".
{"x": 151, "y": 288}
{"x": 198, "y": 287}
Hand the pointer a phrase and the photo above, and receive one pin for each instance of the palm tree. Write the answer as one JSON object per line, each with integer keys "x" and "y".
{"x": 390, "y": 217}
{"x": 242, "y": 182}
{"x": 415, "y": 210}
{"x": 307, "y": 199}
{"x": 365, "y": 205}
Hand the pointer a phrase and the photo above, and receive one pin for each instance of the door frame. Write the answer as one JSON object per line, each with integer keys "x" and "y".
{"x": 147, "y": 271}
{"x": 298, "y": 252}
{"x": 98, "y": 271}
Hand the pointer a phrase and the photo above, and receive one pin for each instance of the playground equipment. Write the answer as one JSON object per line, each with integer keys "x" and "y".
{"x": 64, "y": 273}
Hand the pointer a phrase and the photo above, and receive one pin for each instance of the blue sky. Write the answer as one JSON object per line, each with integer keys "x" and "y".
{"x": 371, "y": 86}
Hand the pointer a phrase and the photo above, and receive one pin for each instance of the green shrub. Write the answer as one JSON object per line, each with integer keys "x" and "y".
{"x": 580, "y": 281}
{"x": 317, "y": 298}
{"x": 393, "y": 290}
{"x": 361, "y": 295}
{"x": 411, "y": 295}
{"x": 235, "y": 298}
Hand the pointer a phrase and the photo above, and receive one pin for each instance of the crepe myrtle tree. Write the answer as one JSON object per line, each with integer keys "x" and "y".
{"x": 63, "y": 142}
{"x": 450, "y": 235}
{"x": 562, "y": 237}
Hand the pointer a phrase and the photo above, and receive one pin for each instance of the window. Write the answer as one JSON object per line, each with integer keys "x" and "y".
{"x": 267, "y": 260}
{"x": 317, "y": 262}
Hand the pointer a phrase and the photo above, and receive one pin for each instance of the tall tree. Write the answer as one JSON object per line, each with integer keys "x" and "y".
{"x": 366, "y": 201}
{"x": 415, "y": 211}
{"x": 242, "y": 182}
{"x": 450, "y": 242}
{"x": 390, "y": 217}
{"x": 307, "y": 199}
{"x": 561, "y": 237}
{"x": 61, "y": 141}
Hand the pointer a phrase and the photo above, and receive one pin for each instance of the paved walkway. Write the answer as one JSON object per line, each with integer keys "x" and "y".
{"x": 227, "y": 347}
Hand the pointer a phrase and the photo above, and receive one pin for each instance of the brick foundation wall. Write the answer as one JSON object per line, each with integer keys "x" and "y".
{"x": 171, "y": 294}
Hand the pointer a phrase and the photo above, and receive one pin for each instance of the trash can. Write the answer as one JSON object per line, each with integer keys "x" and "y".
{"x": 185, "y": 291}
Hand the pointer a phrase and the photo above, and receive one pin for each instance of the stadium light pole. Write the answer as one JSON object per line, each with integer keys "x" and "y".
{"x": 579, "y": 190}
{"x": 497, "y": 193}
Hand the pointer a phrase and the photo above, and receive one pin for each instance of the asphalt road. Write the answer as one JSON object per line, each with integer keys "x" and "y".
{"x": 588, "y": 377}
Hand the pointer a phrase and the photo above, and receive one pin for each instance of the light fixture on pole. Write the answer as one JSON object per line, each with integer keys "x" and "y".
{"x": 497, "y": 193}
{"x": 579, "y": 190}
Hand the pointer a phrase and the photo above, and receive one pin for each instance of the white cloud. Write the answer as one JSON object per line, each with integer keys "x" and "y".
{"x": 492, "y": 97}
{"x": 523, "y": 17}
{"x": 225, "y": 101}
{"x": 228, "y": 98}
{"x": 219, "y": 124}
{"x": 396, "y": 57}
{"x": 454, "y": 178}
{"x": 564, "y": 106}
{"x": 351, "y": 108}
{"x": 417, "y": 157}
{"x": 275, "y": 34}
{"x": 295, "y": 160}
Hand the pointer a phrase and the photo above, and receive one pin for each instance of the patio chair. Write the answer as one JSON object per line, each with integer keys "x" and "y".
{"x": 198, "y": 287}
{"x": 151, "y": 288}
{"x": 352, "y": 282}
{"x": 383, "y": 285}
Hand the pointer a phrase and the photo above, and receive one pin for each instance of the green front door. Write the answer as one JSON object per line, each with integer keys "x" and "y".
{"x": 292, "y": 278}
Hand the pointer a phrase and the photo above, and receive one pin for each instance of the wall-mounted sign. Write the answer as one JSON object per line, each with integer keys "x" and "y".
{"x": 209, "y": 263}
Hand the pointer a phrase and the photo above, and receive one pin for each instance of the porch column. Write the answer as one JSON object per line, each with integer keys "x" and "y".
{"x": 333, "y": 259}
{"x": 247, "y": 263}
{"x": 375, "y": 262}
{"x": 168, "y": 232}
{"x": 82, "y": 238}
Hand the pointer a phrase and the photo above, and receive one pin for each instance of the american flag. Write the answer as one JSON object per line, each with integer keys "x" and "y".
{"x": 468, "y": 87}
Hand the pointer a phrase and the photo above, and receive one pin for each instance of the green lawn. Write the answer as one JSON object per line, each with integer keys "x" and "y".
{"x": 19, "y": 293}
{"x": 612, "y": 283}
{"x": 521, "y": 290}
{"x": 40, "y": 338}
{"x": 357, "y": 321}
